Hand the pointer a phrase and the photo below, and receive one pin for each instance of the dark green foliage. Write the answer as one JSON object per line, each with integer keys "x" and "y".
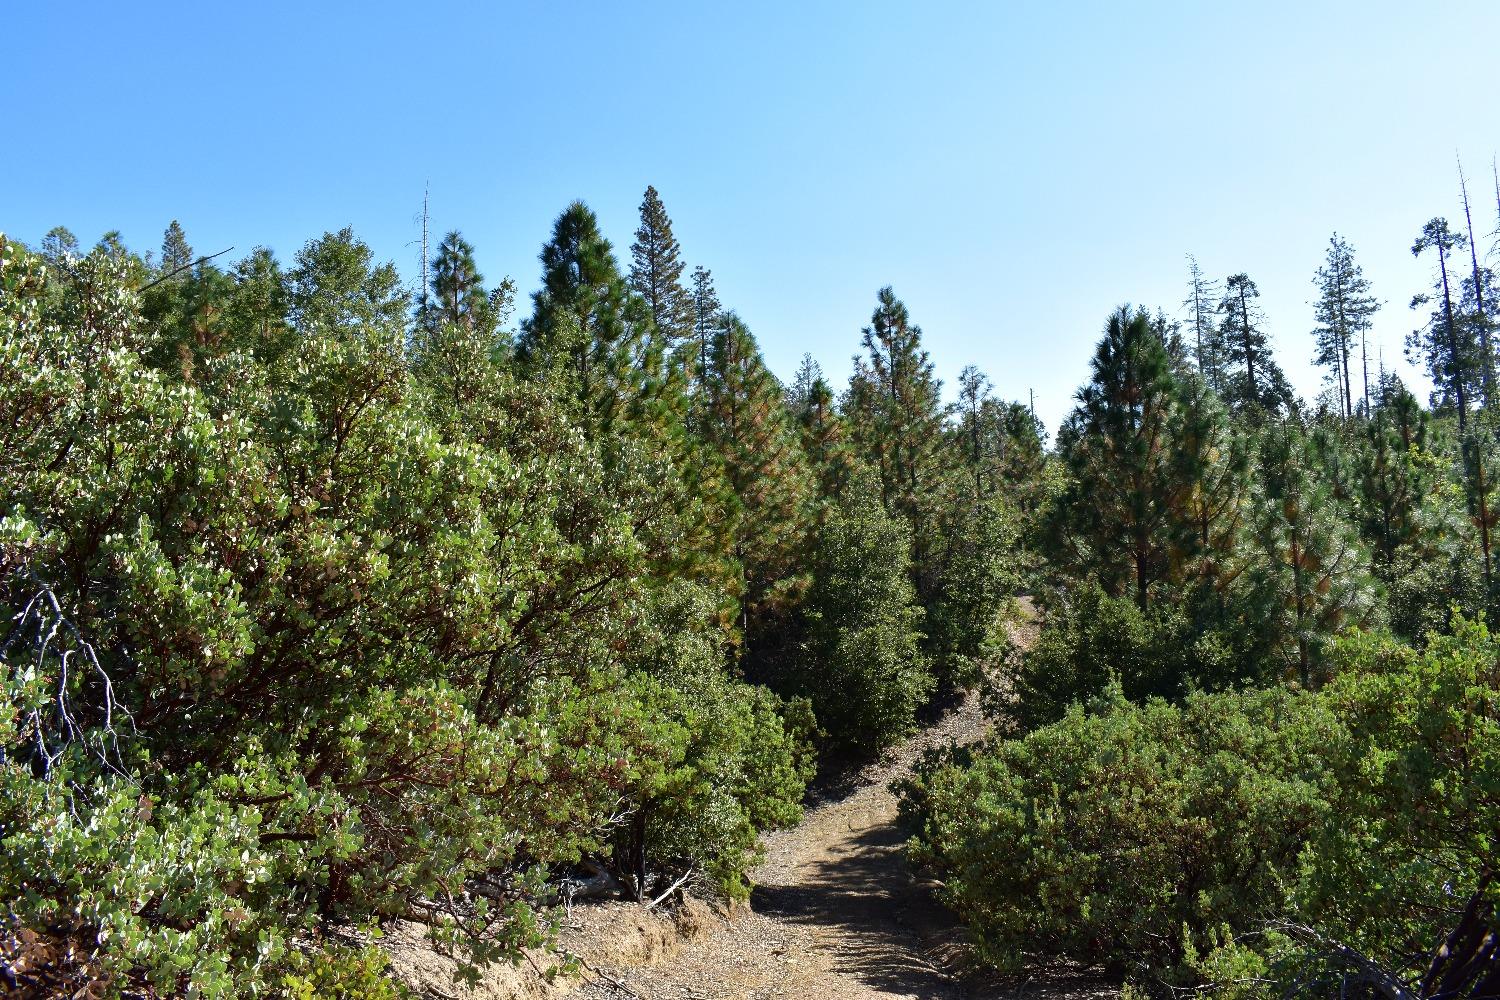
{"x": 364, "y": 614}
{"x": 176, "y": 253}
{"x": 656, "y": 273}
{"x": 458, "y": 297}
{"x": 1096, "y": 640}
{"x": 707, "y": 317}
{"x": 864, "y": 668}
{"x": 738, "y": 757}
{"x": 325, "y": 612}
{"x": 58, "y": 246}
{"x": 978, "y": 570}
{"x": 587, "y": 329}
{"x": 1124, "y": 519}
{"x": 1313, "y": 579}
{"x": 825, "y": 438}
{"x": 1130, "y": 836}
{"x": 1252, "y": 377}
{"x": 896, "y": 417}
{"x": 1167, "y": 841}
{"x": 1419, "y": 799}
{"x": 747, "y": 426}
{"x": 336, "y": 287}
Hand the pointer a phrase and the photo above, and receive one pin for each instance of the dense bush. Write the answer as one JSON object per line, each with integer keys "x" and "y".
{"x": 1170, "y": 841}
{"x": 864, "y": 669}
{"x": 299, "y": 640}
{"x": 739, "y": 756}
{"x": 978, "y": 571}
{"x": 1128, "y": 836}
{"x": 1092, "y": 639}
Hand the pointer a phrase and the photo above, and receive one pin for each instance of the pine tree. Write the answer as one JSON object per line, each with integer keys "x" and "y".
{"x": 1020, "y": 445}
{"x": 825, "y": 439}
{"x": 58, "y": 247}
{"x": 460, "y": 341}
{"x": 1214, "y": 460}
{"x": 1125, "y": 517}
{"x": 1344, "y": 311}
{"x": 256, "y": 314}
{"x": 186, "y": 305}
{"x": 973, "y": 393}
{"x": 749, "y": 427}
{"x": 1450, "y": 359}
{"x": 707, "y": 313}
{"x": 586, "y": 328}
{"x": 457, "y": 296}
{"x": 1392, "y": 484}
{"x": 176, "y": 254}
{"x": 1202, "y": 303}
{"x": 1312, "y": 577}
{"x": 897, "y": 419}
{"x": 656, "y": 273}
{"x": 799, "y": 392}
{"x": 1259, "y": 381}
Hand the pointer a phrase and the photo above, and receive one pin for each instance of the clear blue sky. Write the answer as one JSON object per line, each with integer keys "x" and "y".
{"x": 1014, "y": 171}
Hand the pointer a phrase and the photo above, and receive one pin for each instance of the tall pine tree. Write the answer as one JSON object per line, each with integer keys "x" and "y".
{"x": 656, "y": 268}
{"x": 1451, "y": 359}
{"x": 1343, "y": 313}
{"x": 765, "y": 469}
{"x": 1125, "y": 517}
{"x": 1254, "y": 379}
{"x": 586, "y": 328}
{"x": 897, "y": 419}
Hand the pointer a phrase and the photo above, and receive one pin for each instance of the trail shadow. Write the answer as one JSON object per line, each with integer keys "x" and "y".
{"x": 891, "y": 934}
{"x": 862, "y": 892}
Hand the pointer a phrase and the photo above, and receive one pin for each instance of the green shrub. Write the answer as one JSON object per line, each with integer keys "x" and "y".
{"x": 1171, "y": 841}
{"x": 979, "y": 574}
{"x": 1418, "y": 809}
{"x": 862, "y": 665}
{"x": 1094, "y": 638}
{"x": 734, "y": 760}
{"x": 292, "y": 643}
{"x": 1130, "y": 836}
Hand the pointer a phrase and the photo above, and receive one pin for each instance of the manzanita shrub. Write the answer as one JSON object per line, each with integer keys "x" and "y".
{"x": 1224, "y": 840}
{"x": 299, "y": 638}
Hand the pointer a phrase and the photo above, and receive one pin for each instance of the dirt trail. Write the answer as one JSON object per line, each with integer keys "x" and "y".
{"x": 837, "y": 912}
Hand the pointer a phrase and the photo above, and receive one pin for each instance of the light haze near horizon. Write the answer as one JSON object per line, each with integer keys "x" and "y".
{"x": 1015, "y": 173}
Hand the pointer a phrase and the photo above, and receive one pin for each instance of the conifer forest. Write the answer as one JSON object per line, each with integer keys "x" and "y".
{"x": 338, "y": 599}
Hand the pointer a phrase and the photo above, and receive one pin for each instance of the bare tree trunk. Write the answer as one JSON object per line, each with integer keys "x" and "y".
{"x": 1364, "y": 360}
{"x": 1488, "y": 371}
{"x": 1249, "y": 348}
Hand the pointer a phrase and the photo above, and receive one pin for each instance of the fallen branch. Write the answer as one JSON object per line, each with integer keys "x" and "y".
{"x": 671, "y": 888}
{"x": 191, "y": 264}
{"x": 611, "y": 980}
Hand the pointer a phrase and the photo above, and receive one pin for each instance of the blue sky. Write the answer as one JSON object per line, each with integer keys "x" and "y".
{"x": 1014, "y": 171}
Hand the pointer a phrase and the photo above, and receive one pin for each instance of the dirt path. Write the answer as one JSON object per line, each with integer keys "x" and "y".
{"x": 836, "y": 912}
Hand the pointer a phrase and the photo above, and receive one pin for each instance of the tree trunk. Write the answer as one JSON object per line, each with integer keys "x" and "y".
{"x": 1249, "y": 348}
{"x": 1488, "y": 369}
{"x": 1453, "y": 356}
